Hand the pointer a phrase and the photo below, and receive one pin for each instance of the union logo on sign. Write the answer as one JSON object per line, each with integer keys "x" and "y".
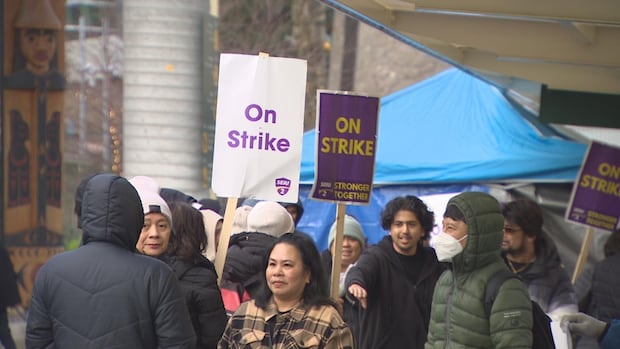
{"x": 283, "y": 185}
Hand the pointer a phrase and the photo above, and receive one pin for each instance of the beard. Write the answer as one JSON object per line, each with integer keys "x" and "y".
{"x": 513, "y": 250}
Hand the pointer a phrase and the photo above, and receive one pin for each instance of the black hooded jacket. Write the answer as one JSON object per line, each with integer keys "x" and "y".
{"x": 605, "y": 304}
{"x": 9, "y": 295}
{"x": 398, "y": 309}
{"x": 547, "y": 282}
{"x": 245, "y": 260}
{"x": 103, "y": 295}
{"x": 198, "y": 281}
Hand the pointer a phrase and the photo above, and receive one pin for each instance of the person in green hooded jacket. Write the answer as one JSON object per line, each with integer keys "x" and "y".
{"x": 470, "y": 241}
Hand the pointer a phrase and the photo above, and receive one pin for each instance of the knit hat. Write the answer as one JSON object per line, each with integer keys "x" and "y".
{"x": 210, "y": 219}
{"x": 144, "y": 183}
{"x": 352, "y": 228}
{"x": 271, "y": 218}
{"x": 172, "y": 195}
{"x": 210, "y": 204}
{"x": 240, "y": 222}
{"x": 250, "y": 202}
{"x": 153, "y": 203}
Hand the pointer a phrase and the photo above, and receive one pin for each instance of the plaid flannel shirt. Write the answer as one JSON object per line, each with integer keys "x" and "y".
{"x": 317, "y": 327}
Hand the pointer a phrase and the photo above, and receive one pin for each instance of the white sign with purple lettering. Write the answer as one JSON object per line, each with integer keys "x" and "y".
{"x": 259, "y": 127}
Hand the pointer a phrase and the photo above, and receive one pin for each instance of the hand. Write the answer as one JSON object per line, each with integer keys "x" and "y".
{"x": 360, "y": 293}
{"x": 583, "y": 325}
{"x": 340, "y": 301}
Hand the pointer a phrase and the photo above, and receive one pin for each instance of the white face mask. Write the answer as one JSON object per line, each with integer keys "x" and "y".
{"x": 446, "y": 246}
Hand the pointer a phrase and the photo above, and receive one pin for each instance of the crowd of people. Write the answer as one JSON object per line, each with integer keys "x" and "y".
{"x": 144, "y": 277}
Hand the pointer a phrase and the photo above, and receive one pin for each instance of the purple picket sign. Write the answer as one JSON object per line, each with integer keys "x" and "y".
{"x": 346, "y": 147}
{"x": 595, "y": 200}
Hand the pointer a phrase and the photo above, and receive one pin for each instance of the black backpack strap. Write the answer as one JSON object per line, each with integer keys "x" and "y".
{"x": 541, "y": 330}
{"x": 495, "y": 282}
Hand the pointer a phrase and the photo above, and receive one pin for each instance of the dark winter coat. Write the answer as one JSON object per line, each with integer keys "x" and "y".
{"x": 103, "y": 294}
{"x": 351, "y": 307}
{"x": 9, "y": 295}
{"x": 398, "y": 309}
{"x": 244, "y": 260}
{"x": 459, "y": 319}
{"x": 547, "y": 282}
{"x": 604, "y": 302}
{"x": 198, "y": 282}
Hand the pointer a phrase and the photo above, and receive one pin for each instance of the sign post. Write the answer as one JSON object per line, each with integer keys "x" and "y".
{"x": 341, "y": 210}
{"x": 222, "y": 245}
{"x": 583, "y": 254}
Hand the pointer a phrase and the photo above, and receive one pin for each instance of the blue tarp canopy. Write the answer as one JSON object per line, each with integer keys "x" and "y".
{"x": 455, "y": 128}
{"x": 449, "y": 133}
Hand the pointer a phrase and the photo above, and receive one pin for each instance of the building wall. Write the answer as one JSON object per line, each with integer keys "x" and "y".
{"x": 162, "y": 91}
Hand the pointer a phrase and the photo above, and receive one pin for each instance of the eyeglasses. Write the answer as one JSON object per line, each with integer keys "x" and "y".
{"x": 510, "y": 230}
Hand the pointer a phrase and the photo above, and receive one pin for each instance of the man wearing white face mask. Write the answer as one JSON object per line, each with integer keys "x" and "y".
{"x": 471, "y": 241}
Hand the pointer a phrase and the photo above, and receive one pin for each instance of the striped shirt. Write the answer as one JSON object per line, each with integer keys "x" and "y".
{"x": 319, "y": 327}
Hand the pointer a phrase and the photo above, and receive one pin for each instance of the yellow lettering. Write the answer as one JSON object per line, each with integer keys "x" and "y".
{"x": 352, "y": 186}
{"x": 347, "y": 146}
{"x": 350, "y": 195}
{"x": 344, "y": 125}
{"x": 341, "y": 125}
{"x": 600, "y": 224}
{"x": 355, "y": 126}
{"x": 600, "y": 184}
{"x": 609, "y": 170}
{"x": 585, "y": 181}
{"x": 602, "y": 216}
{"x": 325, "y": 145}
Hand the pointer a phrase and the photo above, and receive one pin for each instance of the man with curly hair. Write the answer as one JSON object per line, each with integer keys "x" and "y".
{"x": 394, "y": 280}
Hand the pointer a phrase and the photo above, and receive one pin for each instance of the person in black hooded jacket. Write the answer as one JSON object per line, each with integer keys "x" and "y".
{"x": 9, "y": 297}
{"x": 530, "y": 253}
{"x": 395, "y": 279}
{"x": 196, "y": 274}
{"x": 296, "y": 210}
{"x": 104, "y": 294}
{"x": 266, "y": 221}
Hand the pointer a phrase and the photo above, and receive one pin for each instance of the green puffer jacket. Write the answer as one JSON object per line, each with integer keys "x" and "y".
{"x": 458, "y": 318}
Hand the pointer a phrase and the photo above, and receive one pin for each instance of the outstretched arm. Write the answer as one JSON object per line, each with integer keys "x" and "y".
{"x": 362, "y": 276}
{"x": 360, "y": 293}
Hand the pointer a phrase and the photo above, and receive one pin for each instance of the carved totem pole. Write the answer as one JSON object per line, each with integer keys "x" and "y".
{"x": 32, "y": 122}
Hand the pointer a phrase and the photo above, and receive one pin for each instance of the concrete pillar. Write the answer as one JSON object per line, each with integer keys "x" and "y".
{"x": 162, "y": 91}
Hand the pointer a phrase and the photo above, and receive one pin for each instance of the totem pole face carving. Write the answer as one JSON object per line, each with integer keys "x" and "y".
{"x": 37, "y": 26}
{"x": 38, "y": 47}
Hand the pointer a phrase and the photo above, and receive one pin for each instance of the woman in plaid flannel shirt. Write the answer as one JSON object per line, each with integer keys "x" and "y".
{"x": 293, "y": 309}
